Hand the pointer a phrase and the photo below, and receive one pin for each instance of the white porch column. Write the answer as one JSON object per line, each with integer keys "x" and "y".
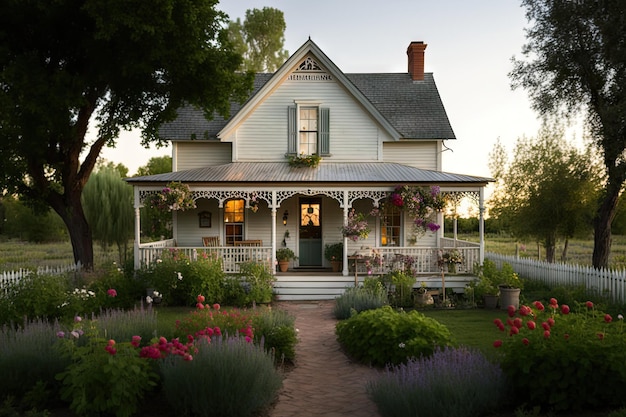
{"x": 274, "y": 261}
{"x": 481, "y": 223}
{"x": 137, "y": 237}
{"x": 345, "y": 239}
{"x": 137, "y": 206}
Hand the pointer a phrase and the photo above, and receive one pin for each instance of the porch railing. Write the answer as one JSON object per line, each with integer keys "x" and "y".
{"x": 231, "y": 256}
{"x": 423, "y": 260}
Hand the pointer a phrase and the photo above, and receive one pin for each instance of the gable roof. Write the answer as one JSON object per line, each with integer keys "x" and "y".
{"x": 406, "y": 109}
{"x": 279, "y": 172}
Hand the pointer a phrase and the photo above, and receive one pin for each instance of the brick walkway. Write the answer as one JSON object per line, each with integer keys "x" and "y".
{"x": 323, "y": 382}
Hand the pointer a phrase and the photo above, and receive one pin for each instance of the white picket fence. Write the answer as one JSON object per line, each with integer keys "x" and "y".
{"x": 12, "y": 277}
{"x": 610, "y": 283}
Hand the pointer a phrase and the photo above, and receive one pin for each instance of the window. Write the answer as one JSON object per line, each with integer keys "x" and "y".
{"x": 308, "y": 129}
{"x": 390, "y": 226}
{"x": 234, "y": 221}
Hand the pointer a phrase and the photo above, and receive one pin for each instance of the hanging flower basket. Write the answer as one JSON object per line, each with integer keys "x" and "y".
{"x": 175, "y": 196}
{"x": 356, "y": 227}
{"x": 421, "y": 203}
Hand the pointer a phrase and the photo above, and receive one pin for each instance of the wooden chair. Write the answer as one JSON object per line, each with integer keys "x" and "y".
{"x": 249, "y": 243}
{"x": 211, "y": 241}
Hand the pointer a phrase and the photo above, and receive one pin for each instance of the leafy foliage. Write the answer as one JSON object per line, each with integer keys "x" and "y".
{"x": 357, "y": 299}
{"x": 548, "y": 191}
{"x": 574, "y": 59}
{"x": 564, "y": 358}
{"x": 384, "y": 336}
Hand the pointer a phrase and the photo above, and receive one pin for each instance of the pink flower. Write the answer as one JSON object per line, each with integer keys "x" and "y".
{"x": 608, "y": 318}
{"x": 538, "y": 305}
{"x": 531, "y": 325}
{"x": 135, "y": 341}
{"x": 525, "y": 341}
{"x": 513, "y": 331}
{"x": 60, "y": 334}
{"x": 112, "y": 351}
{"x": 216, "y": 306}
{"x": 545, "y": 325}
{"x": 396, "y": 200}
{"x": 200, "y": 306}
{"x": 497, "y": 343}
{"x": 553, "y": 303}
{"x": 550, "y": 322}
{"x": 546, "y": 334}
{"x": 77, "y": 319}
{"x": 524, "y": 311}
{"x": 589, "y": 304}
{"x": 111, "y": 292}
{"x": 111, "y": 342}
{"x": 517, "y": 322}
{"x": 565, "y": 309}
{"x": 200, "y": 298}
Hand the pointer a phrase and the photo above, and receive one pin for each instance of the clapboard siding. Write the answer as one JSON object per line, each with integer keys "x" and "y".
{"x": 420, "y": 154}
{"x": 354, "y": 135}
{"x": 191, "y": 155}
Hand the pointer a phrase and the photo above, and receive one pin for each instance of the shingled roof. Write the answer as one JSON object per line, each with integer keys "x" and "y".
{"x": 413, "y": 108}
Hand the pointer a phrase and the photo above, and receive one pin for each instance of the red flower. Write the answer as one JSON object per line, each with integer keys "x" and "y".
{"x": 566, "y": 336}
{"x": 538, "y": 305}
{"x": 589, "y": 304}
{"x": 608, "y": 318}
{"x": 546, "y": 334}
{"x": 497, "y": 343}
{"x": 525, "y": 341}
{"x": 216, "y": 306}
{"x": 545, "y": 326}
{"x": 517, "y": 322}
{"x": 565, "y": 309}
{"x": 200, "y": 306}
{"x": 200, "y": 298}
{"x": 551, "y": 322}
{"x": 601, "y": 336}
{"x": 511, "y": 310}
{"x": 514, "y": 330}
{"x": 524, "y": 311}
{"x": 111, "y": 292}
{"x": 531, "y": 325}
{"x": 135, "y": 341}
{"x": 554, "y": 303}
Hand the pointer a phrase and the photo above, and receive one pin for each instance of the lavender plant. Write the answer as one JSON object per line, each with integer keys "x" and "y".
{"x": 357, "y": 299}
{"x": 458, "y": 382}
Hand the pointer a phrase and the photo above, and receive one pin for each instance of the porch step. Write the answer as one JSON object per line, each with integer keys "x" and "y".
{"x": 301, "y": 286}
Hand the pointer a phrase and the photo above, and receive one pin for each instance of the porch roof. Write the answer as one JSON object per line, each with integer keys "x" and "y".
{"x": 327, "y": 172}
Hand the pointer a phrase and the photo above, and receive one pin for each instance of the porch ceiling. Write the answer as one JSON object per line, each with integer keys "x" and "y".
{"x": 326, "y": 172}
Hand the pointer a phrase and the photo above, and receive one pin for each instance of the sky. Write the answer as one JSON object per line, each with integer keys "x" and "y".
{"x": 470, "y": 46}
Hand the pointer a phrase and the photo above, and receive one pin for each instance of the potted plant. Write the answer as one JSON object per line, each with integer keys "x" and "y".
{"x": 510, "y": 286}
{"x": 486, "y": 286}
{"x": 452, "y": 258}
{"x": 334, "y": 254}
{"x": 283, "y": 256}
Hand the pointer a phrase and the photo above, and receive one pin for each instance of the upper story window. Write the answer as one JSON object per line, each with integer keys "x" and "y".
{"x": 308, "y": 129}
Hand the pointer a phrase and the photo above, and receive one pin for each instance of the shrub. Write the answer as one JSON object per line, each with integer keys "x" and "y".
{"x": 35, "y": 296}
{"x": 124, "y": 324}
{"x": 230, "y": 322}
{"x": 257, "y": 281}
{"x": 105, "y": 377}
{"x": 227, "y": 377}
{"x": 384, "y": 336}
{"x": 275, "y": 330}
{"x": 563, "y": 360}
{"x": 128, "y": 290}
{"x": 179, "y": 279}
{"x": 400, "y": 286}
{"x": 357, "y": 299}
{"x": 29, "y": 361}
{"x": 452, "y": 382}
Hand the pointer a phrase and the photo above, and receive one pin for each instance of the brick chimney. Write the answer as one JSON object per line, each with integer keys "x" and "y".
{"x": 415, "y": 52}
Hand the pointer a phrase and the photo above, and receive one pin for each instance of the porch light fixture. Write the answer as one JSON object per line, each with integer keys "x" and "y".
{"x": 285, "y": 217}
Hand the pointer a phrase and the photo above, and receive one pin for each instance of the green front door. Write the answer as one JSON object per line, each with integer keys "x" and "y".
{"x": 310, "y": 243}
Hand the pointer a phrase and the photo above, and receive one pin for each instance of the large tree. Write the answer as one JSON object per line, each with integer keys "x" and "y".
{"x": 67, "y": 66}
{"x": 260, "y": 39}
{"x": 548, "y": 192}
{"x": 575, "y": 59}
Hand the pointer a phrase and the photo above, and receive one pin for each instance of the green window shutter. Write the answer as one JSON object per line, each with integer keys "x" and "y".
{"x": 323, "y": 129}
{"x": 292, "y": 133}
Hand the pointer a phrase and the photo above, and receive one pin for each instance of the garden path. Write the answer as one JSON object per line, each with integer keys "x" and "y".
{"x": 323, "y": 382}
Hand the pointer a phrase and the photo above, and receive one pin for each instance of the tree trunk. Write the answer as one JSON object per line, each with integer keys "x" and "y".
{"x": 564, "y": 253}
{"x": 71, "y": 211}
{"x": 550, "y": 244}
{"x": 602, "y": 227}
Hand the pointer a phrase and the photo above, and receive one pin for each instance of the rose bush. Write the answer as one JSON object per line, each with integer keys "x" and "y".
{"x": 563, "y": 357}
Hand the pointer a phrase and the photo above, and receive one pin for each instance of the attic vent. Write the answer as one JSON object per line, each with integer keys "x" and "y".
{"x": 309, "y": 64}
